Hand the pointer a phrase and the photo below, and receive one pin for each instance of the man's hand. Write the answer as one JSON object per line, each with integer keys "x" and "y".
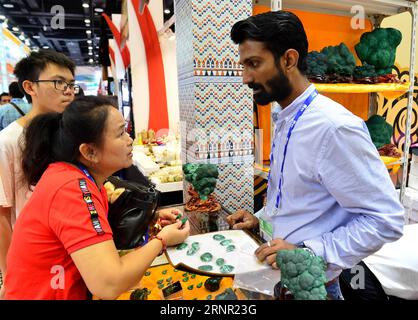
{"x": 267, "y": 251}
{"x": 242, "y": 219}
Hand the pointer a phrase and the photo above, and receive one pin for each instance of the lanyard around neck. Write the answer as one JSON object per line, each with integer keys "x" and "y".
{"x": 289, "y": 133}
{"x": 86, "y": 172}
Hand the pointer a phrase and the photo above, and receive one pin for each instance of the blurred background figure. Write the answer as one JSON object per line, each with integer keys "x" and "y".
{"x": 15, "y": 108}
{"x": 5, "y": 98}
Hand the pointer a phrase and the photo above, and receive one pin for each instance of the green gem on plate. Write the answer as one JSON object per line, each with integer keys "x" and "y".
{"x": 230, "y": 248}
{"x": 226, "y": 242}
{"x": 205, "y": 267}
{"x": 182, "y": 246}
{"x": 220, "y": 262}
{"x": 218, "y": 237}
{"x": 206, "y": 257}
{"x": 227, "y": 268}
{"x": 194, "y": 248}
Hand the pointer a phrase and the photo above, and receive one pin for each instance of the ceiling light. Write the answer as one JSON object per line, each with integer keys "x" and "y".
{"x": 167, "y": 11}
{"x": 22, "y": 37}
{"x": 2, "y": 17}
{"x": 8, "y": 5}
{"x": 90, "y": 48}
{"x": 15, "y": 29}
{"x": 88, "y": 31}
{"x": 91, "y": 60}
{"x": 98, "y": 9}
{"x": 36, "y": 36}
{"x": 87, "y": 24}
{"x": 90, "y": 53}
{"x": 45, "y": 47}
{"x": 89, "y": 41}
{"x": 87, "y": 20}
{"x": 86, "y": 5}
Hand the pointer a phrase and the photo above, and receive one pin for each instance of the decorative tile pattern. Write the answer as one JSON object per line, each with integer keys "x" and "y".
{"x": 215, "y": 107}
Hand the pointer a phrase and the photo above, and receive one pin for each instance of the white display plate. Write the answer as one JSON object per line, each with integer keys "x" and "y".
{"x": 243, "y": 258}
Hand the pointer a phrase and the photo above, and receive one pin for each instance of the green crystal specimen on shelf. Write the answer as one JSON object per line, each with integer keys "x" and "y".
{"x": 220, "y": 261}
{"x": 160, "y": 281}
{"x": 186, "y": 279}
{"x": 181, "y": 246}
{"x": 227, "y": 268}
{"x": 209, "y": 297}
{"x": 193, "y": 276}
{"x": 195, "y": 248}
{"x": 199, "y": 285}
{"x": 147, "y": 273}
{"x": 206, "y": 257}
{"x": 176, "y": 270}
{"x": 218, "y": 237}
{"x": 226, "y": 242}
{"x": 164, "y": 272}
{"x": 160, "y": 286}
{"x": 206, "y": 268}
{"x": 190, "y": 287}
{"x": 169, "y": 279}
{"x": 230, "y": 248}
{"x": 185, "y": 274}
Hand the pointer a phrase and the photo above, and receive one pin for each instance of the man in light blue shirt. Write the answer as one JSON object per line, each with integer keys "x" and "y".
{"x": 15, "y": 109}
{"x": 328, "y": 190}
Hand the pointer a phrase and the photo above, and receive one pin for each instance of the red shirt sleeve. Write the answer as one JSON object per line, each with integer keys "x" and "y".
{"x": 79, "y": 220}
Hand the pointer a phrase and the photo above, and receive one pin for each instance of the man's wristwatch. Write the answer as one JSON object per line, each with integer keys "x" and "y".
{"x": 302, "y": 246}
{"x": 162, "y": 241}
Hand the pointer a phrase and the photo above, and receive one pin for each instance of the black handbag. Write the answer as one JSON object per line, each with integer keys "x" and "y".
{"x": 132, "y": 212}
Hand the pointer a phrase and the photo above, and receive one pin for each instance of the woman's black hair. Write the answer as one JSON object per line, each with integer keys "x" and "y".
{"x": 53, "y": 137}
{"x": 278, "y": 30}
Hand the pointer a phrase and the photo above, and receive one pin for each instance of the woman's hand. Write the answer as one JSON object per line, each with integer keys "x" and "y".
{"x": 175, "y": 233}
{"x": 168, "y": 216}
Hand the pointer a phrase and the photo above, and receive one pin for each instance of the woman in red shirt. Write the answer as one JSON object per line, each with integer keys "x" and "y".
{"x": 62, "y": 243}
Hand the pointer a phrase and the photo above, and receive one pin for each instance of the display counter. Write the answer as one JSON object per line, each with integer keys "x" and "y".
{"x": 162, "y": 273}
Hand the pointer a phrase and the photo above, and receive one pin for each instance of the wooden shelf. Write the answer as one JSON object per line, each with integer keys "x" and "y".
{"x": 398, "y": 88}
{"x": 343, "y": 7}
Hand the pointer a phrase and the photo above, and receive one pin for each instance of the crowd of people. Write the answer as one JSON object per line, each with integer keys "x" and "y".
{"x": 328, "y": 190}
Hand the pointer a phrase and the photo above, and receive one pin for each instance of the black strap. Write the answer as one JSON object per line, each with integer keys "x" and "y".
{"x": 17, "y": 108}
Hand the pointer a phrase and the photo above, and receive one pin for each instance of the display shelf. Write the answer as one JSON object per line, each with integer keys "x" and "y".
{"x": 344, "y": 7}
{"x": 362, "y": 88}
{"x": 169, "y": 186}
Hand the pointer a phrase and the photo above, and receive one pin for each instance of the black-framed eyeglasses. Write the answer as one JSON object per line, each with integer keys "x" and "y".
{"x": 63, "y": 85}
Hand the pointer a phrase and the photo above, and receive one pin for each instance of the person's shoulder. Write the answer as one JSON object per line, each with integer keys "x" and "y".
{"x": 11, "y": 134}
{"x": 64, "y": 175}
{"x": 334, "y": 115}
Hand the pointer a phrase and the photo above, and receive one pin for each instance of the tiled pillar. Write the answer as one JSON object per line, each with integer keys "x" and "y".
{"x": 216, "y": 109}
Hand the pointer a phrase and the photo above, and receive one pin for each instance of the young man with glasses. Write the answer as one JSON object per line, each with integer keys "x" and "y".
{"x": 47, "y": 80}
{"x": 16, "y": 107}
